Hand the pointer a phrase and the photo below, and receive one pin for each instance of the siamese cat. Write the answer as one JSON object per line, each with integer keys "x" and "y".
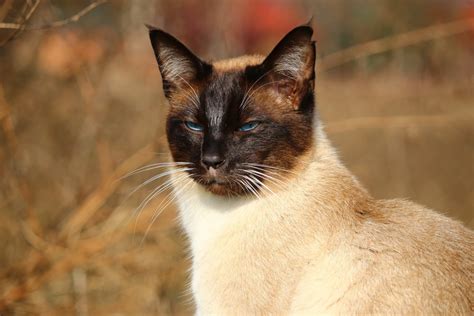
{"x": 276, "y": 223}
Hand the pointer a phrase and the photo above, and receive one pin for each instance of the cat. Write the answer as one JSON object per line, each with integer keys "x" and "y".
{"x": 276, "y": 223}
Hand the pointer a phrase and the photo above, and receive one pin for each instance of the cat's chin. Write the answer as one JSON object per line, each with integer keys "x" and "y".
{"x": 224, "y": 189}
{"x": 220, "y": 189}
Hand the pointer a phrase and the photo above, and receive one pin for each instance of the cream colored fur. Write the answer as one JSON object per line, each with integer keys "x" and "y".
{"x": 323, "y": 245}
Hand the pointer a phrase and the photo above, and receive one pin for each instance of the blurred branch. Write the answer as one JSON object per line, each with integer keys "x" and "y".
{"x": 385, "y": 122}
{"x": 20, "y": 182}
{"x": 68, "y": 259}
{"x": 29, "y": 13}
{"x": 95, "y": 200}
{"x": 79, "y": 280}
{"x": 5, "y": 8}
{"x": 394, "y": 42}
{"x": 76, "y": 255}
{"x": 74, "y": 18}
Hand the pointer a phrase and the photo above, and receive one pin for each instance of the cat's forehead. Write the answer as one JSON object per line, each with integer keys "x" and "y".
{"x": 219, "y": 97}
{"x": 222, "y": 95}
{"x": 228, "y": 80}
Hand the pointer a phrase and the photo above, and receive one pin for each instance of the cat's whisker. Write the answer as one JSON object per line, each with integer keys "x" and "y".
{"x": 258, "y": 88}
{"x": 263, "y": 165}
{"x": 276, "y": 177}
{"x": 176, "y": 194}
{"x": 251, "y": 186}
{"x": 265, "y": 176}
{"x": 240, "y": 177}
{"x": 250, "y": 189}
{"x": 194, "y": 91}
{"x": 252, "y": 176}
{"x": 192, "y": 99}
{"x": 154, "y": 166}
{"x": 268, "y": 167}
{"x": 156, "y": 177}
{"x": 276, "y": 182}
{"x": 161, "y": 207}
{"x": 244, "y": 99}
{"x": 277, "y": 185}
{"x": 159, "y": 189}
{"x": 262, "y": 185}
{"x": 276, "y": 198}
{"x": 239, "y": 184}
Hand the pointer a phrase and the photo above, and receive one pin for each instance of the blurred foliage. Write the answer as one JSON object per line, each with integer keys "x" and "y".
{"x": 77, "y": 102}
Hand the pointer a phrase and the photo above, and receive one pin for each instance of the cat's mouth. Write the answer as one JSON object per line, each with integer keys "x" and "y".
{"x": 230, "y": 182}
{"x": 224, "y": 185}
{"x": 220, "y": 186}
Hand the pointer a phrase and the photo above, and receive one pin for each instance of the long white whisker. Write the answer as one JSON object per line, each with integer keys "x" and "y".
{"x": 240, "y": 184}
{"x": 250, "y": 186}
{"x": 264, "y": 175}
{"x": 278, "y": 185}
{"x": 244, "y": 100}
{"x": 257, "y": 182}
{"x": 268, "y": 167}
{"x": 189, "y": 85}
{"x": 176, "y": 193}
{"x": 154, "y": 166}
{"x": 247, "y": 187}
{"x": 255, "y": 90}
{"x": 156, "y": 177}
{"x": 192, "y": 99}
{"x": 159, "y": 189}
{"x": 262, "y": 184}
{"x": 162, "y": 207}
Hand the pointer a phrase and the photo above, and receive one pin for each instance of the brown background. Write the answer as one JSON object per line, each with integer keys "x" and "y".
{"x": 79, "y": 104}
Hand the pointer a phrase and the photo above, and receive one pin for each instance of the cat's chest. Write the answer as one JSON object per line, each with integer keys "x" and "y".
{"x": 251, "y": 256}
{"x": 244, "y": 267}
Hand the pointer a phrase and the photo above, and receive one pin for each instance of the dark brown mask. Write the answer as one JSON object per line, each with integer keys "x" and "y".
{"x": 241, "y": 124}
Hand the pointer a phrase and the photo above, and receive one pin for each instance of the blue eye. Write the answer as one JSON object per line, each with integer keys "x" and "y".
{"x": 194, "y": 126}
{"x": 248, "y": 126}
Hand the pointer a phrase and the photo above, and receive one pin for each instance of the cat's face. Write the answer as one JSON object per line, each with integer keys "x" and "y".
{"x": 242, "y": 124}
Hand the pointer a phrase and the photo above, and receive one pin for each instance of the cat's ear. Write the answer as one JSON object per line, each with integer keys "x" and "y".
{"x": 179, "y": 67}
{"x": 290, "y": 65}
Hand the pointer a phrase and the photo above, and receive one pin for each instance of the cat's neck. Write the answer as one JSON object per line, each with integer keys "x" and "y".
{"x": 323, "y": 194}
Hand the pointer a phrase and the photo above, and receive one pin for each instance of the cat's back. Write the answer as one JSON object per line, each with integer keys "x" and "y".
{"x": 401, "y": 256}
{"x": 424, "y": 257}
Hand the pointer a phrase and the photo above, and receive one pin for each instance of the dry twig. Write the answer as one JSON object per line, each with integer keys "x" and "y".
{"x": 78, "y": 254}
{"x": 394, "y": 42}
{"x": 74, "y": 18}
{"x": 385, "y": 122}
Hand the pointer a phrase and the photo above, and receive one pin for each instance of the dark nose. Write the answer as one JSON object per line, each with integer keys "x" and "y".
{"x": 214, "y": 161}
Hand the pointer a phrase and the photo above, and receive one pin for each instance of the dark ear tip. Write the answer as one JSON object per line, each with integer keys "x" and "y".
{"x": 306, "y": 30}
{"x": 154, "y": 31}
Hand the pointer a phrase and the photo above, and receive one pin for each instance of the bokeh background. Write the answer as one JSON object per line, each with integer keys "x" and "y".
{"x": 81, "y": 105}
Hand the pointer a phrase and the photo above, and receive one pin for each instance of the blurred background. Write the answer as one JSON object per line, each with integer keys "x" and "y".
{"x": 81, "y": 105}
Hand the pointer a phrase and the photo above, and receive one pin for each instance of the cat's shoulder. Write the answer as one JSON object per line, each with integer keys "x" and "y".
{"x": 409, "y": 224}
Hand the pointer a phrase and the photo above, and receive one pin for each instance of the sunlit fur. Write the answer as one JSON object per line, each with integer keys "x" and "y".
{"x": 315, "y": 242}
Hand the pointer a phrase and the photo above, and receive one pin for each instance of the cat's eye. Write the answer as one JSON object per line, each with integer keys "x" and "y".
{"x": 196, "y": 127}
{"x": 247, "y": 127}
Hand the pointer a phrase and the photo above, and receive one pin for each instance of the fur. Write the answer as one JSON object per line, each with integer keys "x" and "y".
{"x": 324, "y": 245}
{"x": 318, "y": 243}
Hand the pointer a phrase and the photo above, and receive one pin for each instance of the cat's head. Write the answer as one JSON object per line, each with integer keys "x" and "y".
{"x": 241, "y": 124}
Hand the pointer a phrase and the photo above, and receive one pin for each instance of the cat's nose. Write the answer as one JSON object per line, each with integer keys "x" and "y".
{"x": 212, "y": 160}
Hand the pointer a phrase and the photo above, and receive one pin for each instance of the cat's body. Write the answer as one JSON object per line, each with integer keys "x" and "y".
{"x": 309, "y": 240}
{"x": 325, "y": 246}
